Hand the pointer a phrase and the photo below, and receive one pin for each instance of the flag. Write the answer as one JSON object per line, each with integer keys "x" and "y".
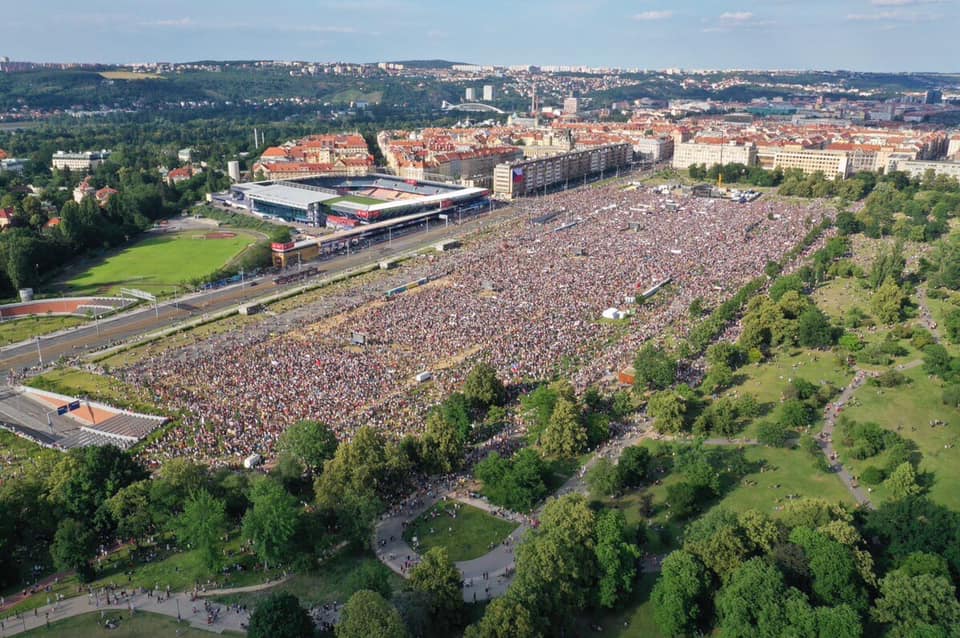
{"x": 518, "y": 175}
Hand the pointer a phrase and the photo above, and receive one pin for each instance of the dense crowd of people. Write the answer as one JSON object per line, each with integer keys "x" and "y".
{"x": 526, "y": 296}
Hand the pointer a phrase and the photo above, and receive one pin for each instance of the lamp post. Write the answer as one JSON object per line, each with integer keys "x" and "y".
{"x": 39, "y": 353}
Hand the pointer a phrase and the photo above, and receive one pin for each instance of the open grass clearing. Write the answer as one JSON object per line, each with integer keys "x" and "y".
{"x": 80, "y": 383}
{"x": 464, "y": 531}
{"x": 633, "y": 620}
{"x": 159, "y": 263}
{"x": 141, "y": 625}
{"x": 908, "y": 410}
{"x": 17, "y": 330}
{"x": 330, "y": 582}
{"x": 837, "y": 296}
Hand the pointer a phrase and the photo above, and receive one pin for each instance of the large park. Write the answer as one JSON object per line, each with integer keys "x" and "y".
{"x": 762, "y": 448}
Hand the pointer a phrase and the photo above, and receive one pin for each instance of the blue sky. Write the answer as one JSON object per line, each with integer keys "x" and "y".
{"x": 874, "y": 35}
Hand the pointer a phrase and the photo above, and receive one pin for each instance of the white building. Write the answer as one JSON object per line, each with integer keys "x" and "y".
{"x": 185, "y": 155}
{"x": 571, "y": 105}
{"x": 653, "y": 149}
{"x": 919, "y": 168}
{"x": 12, "y": 165}
{"x": 488, "y": 93}
{"x": 233, "y": 170}
{"x": 470, "y": 95}
{"x": 689, "y": 153}
{"x": 84, "y": 162}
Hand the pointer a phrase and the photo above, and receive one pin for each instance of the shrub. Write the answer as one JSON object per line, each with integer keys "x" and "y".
{"x": 872, "y": 475}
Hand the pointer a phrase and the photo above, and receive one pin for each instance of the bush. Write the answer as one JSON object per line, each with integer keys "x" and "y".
{"x": 872, "y": 475}
{"x": 890, "y": 379}
{"x": 850, "y": 342}
{"x": 951, "y": 395}
{"x": 772, "y": 433}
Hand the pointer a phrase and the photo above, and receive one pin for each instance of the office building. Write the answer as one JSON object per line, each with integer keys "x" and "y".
{"x": 688, "y": 153}
{"x": 82, "y": 162}
{"x": 832, "y": 164}
{"x": 918, "y": 168}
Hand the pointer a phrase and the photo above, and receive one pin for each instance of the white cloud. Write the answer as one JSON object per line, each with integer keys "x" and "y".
{"x": 736, "y": 16}
{"x": 896, "y": 15}
{"x": 902, "y": 3}
{"x": 650, "y": 16}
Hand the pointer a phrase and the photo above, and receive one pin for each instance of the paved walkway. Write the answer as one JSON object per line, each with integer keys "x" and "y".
{"x": 176, "y": 606}
{"x": 490, "y": 575}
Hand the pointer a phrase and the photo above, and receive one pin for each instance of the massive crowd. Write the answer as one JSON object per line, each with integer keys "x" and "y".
{"x": 527, "y": 297}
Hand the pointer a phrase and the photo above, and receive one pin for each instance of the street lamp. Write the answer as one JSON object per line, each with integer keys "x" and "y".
{"x": 39, "y": 353}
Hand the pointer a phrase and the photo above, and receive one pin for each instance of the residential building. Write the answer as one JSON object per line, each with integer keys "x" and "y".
{"x": 527, "y": 177}
{"x": 653, "y": 149}
{"x": 6, "y": 217}
{"x": 919, "y": 168}
{"x": 12, "y": 165}
{"x": 571, "y": 106}
{"x": 185, "y": 155}
{"x": 488, "y": 93}
{"x": 233, "y": 170}
{"x": 470, "y": 95}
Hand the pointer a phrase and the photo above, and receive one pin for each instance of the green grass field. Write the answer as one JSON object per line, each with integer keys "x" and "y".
{"x": 837, "y": 296}
{"x": 158, "y": 264}
{"x": 142, "y": 625}
{"x": 465, "y": 537}
{"x": 356, "y": 199}
{"x": 329, "y": 583}
{"x": 75, "y": 382}
{"x": 910, "y": 408}
{"x": 18, "y": 330}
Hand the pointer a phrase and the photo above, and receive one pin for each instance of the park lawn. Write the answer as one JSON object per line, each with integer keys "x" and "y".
{"x": 15, "y": 451}
{"x": 158, "y": 264}
{"x": 837, "y": 296}
{"x": 467, "y": 536}
{"x": 913, "y": 406}
{"x": 633, "y": 620}
{"x": 786, "y": 471}
{"x": 939, "y": 308}
{"x": 80, "y": 383}
{"x": 330, "y": 582}
{"x": 17, "y": 330}
{"x": 142, "y": 625}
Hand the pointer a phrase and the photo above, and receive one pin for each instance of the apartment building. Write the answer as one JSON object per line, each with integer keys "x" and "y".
{"x": 527, "y": 177}
{"x": 832, "y": 164}
{"x": 688, "y": 153}
{"x": 79, "y": 162}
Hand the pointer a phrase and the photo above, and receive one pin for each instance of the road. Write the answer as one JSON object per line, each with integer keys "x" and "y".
{"x": 140, "y": 321}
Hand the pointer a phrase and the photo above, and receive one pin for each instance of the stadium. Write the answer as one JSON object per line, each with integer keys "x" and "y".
{"x": 347, "y": 202}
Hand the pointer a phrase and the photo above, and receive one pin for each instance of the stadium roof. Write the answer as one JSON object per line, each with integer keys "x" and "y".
{"x": 291, "y": 196}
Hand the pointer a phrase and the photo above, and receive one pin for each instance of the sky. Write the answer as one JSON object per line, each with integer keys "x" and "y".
{"x": 867, "y": 35}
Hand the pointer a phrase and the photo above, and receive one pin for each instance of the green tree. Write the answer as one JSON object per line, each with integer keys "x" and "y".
{"x": 616, "y": 558}
{"x": 280, "y": 616}
{"x": 483, "y": 388}
{"x": 654, "y": 369}
{"x": 438, "y": 578}
{"x": 372, "y": 575}
{"x": 603, "y": 479}
{"x": 537, "y": 408}
{"x": 814, "y": 329}
{"x": 668, "y": 409}
{"x": 132, "y": 511}
{"x": 887, "y": 302}
{"x": 566, "y": 435}
{"x": 270, "y": 523}
{"x": 366, "y": 615}
{"x": 633, "y": 466}
{"x": 902, "y": 482}
{"x": 951, "y": 323}
{"x": 442, "y": 445}
{"x": 507, "y": 617}
{"x": 909, "y": 602}
{"x": 309, "y": 444}
{"x": 753, "y": 602}
{"x": 73, "y": 547}
{"x": 202, "y": 525}
{"x": 680, "y": 597}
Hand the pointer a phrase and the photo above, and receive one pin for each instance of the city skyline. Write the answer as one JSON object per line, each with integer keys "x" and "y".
{"x": 867, "y": 35}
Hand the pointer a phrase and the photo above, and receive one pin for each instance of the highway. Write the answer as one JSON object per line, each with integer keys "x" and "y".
{"x": 26, "y": 356}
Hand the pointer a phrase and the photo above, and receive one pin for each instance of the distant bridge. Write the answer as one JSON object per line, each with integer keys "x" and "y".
{"x": 472, "y": 107}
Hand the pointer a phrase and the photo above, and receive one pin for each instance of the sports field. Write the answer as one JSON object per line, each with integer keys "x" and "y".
{"x": 356, "y": 199}
{"x": 158, "y": 263}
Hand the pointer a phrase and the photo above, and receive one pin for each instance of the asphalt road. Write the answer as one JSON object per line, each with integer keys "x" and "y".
{"x": 143, "y": 320}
